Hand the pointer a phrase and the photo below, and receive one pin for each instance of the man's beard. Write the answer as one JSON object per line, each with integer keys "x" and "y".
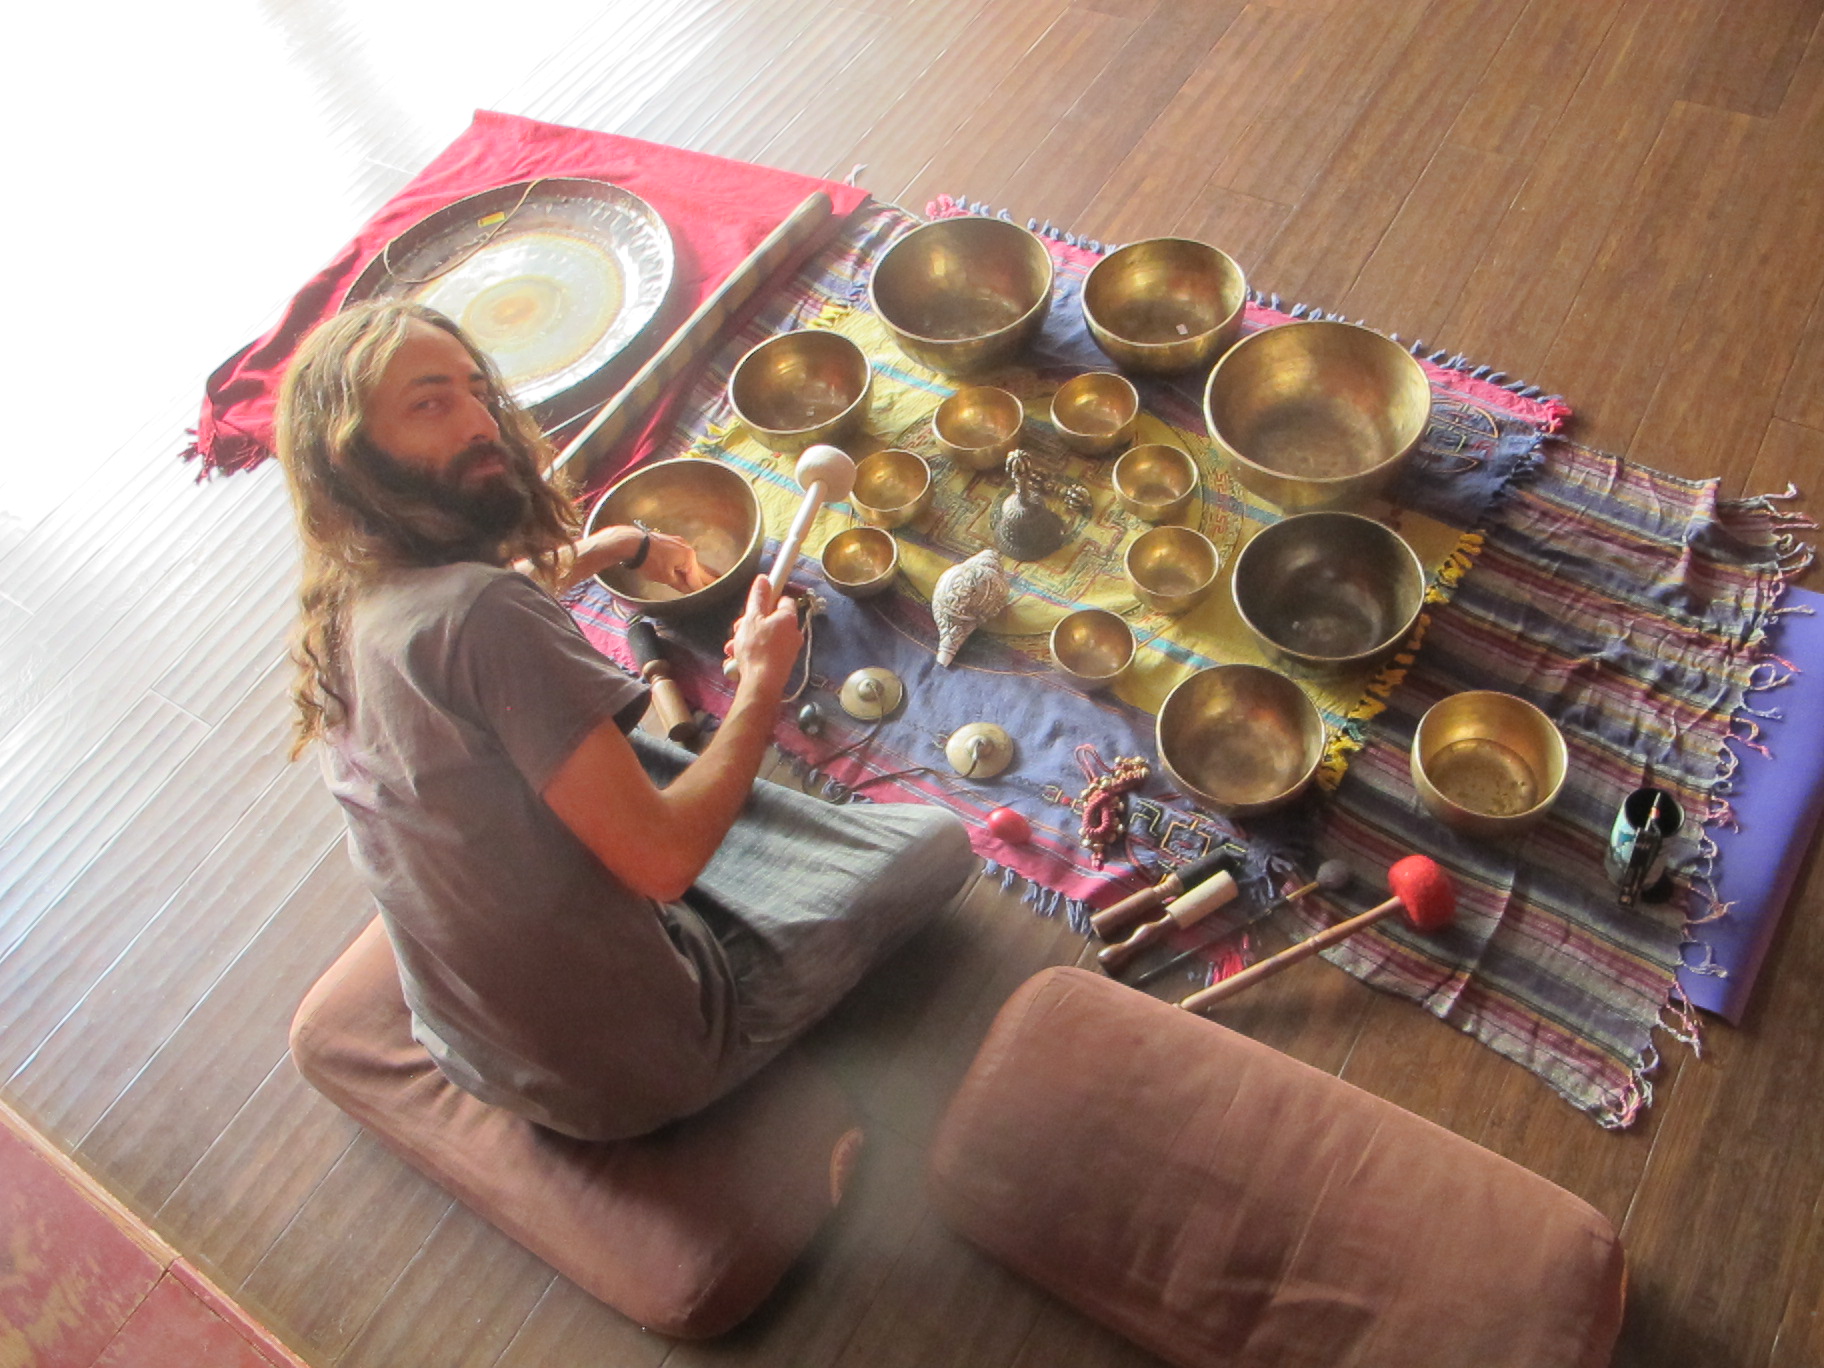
{"x": 487, "y": 510}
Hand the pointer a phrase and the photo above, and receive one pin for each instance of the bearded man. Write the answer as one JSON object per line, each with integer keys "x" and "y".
{"x": 594, "y": 928}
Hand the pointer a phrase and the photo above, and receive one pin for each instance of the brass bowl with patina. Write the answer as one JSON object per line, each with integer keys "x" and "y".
{"x": 892, "y": 487}
{"x": 1092, "y": 647}
{"x": 1330, "y": 592}
{"x": 964, "y": 294}
{"x": 978, "y": 426}
{"x": 1488, "y": 764}
{"x": 1242, "y": 738}
{"x": 1316, "y": 414}
{"x": 1165, "y": 305}
{"x": 706, "y": 503}
{"x": 797, "y": 389}
{"x": 1155, "y": 481}
{"x": 1171, "y": 569}
{"x": 1095, "y": 413}
{"x": 861, "y": 561}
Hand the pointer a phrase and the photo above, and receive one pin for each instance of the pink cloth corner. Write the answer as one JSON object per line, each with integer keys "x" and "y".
{"x": 717, "y": 210}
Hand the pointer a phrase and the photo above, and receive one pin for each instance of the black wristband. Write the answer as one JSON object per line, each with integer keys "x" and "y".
{"x": 638, "y": 558}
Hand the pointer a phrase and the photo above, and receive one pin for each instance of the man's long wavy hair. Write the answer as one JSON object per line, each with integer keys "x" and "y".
{"x": 353, "y": 526}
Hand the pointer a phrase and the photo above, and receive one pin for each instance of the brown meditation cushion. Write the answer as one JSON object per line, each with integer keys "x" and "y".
{"x": 685, "y": 1231}
{"x": 1220, "y": 1203}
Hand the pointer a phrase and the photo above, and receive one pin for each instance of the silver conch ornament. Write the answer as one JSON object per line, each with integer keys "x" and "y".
{"x": 967, "y": 595}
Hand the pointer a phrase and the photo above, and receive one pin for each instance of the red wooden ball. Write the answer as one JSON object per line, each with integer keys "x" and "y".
{"x": 1428, "y": 895}
{"x": 1007, "y": 825}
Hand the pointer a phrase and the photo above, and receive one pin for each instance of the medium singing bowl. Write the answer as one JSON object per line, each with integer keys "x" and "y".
{"x": 1243, "y": 738}
{"x": 860, "y": 561}
{"x": 892, "y": 487}
{"x": 706, "y": 503}
{"x": 963, "y": 294}
{"x": 1487, "y": 764}
{"x": 1164, "y": 305}
{"x": 1327, "y": 593}
{"x": 978, "y": 426}
{"x": 1091, "y": 647}
{"x": 1316, "y": 414}
{"x": 1171, "y": 569}
{"x": 801, "y": 388}
{"x": 1094, "y": 414}
{"x": 1155, "y": 482}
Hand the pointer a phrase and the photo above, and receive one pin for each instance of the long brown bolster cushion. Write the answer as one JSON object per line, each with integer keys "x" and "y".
{"x": 1220, "y": 1203}
{"x": 684, "y": 1231}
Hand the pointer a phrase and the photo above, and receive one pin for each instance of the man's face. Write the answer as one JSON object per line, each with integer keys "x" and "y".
{"x": 432, "y": 435}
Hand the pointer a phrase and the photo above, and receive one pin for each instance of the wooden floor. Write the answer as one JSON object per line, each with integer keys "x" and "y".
{"x": 1621, "y": 201}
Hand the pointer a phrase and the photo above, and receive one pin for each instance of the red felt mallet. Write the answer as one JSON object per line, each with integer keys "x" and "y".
{"x": 1420, "y": 888}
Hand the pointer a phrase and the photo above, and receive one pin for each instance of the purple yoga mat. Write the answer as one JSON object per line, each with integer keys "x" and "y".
{"x": 1777, "y": 800}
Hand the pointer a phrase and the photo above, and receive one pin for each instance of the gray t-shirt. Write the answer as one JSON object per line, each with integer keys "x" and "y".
{"x": 536, "y": 979}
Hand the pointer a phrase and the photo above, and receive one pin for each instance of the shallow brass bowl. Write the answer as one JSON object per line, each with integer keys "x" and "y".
{"x": 978, "y": 426}
{"x": 1243, "y": 738}
{"x": 861, "y": 561}
{"x": 705, "y": 502}
{"x": 1091, "y": 647}
{"x": 800, "y": 388}
{"x": 892, "y": 487}
{"x": 1165, "y": 304}
{"x": 1316, "y": 414}
{"x": 1095, "y": 413}
{"x": 963, "y": 294}
{"x": 1326, "y": 593}
{"x": 1172, "y": 569}
{"x": 1155, "y": 482}
{"x": 1487, "y": 763}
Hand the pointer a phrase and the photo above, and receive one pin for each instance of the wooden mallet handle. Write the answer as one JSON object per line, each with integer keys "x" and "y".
{"x": 827, "y": 475}
{"x": 1192, "y": 908}
{"x": 1420, "y": 888}
{"x": 667, "y": 698}
{"x": 1118, "y": 918}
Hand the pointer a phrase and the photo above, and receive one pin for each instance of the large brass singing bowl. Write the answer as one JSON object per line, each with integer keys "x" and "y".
{"x": 801, "y": 388}
{"x": 1165, "y": 304}
{"x": 964, "y": 294}
{"x": 1487, "y": 764}
{"x": 1328, "y": 592}
{"x": 1242, "y": 738}
{"x": 1316, "y": 414}
{"x": 706, "y": 503}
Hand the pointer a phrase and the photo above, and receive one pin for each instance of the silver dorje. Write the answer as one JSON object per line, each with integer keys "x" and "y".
{"x": 967, "y": 595}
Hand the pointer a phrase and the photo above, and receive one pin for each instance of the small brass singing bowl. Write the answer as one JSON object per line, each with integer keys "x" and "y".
{"x": 1095, "y": 413}
{"x": 1327, "y": 593}
{"x": 1172, "y": 569}
{"x": 978, "y": 426}
{"x": 1091, "y": 647}
{"x": 1316, "y": 414}
{"x": 892, "y": 487}
{"x": 801, "y": 388}
{"x": 964, "y": 294}
{"x": 861, "y": 561}
{"x": 1487, "y": 763}
{"x": 1242, "y": 738}
{"x": 1165, "y": 305}
{"x": 706, "y": 503}
{"x": 1155, "y": 482}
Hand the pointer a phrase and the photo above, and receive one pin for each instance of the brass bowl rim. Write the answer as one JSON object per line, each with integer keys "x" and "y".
{"x": 1560, "y": 757}
{"x": 855, "y": 494}
{"x": 1174, "y": 529}
{"x": 1019, "y": 405}
{"x": 1292, "y": 519}
{"x": 1132, "y": 392}
{"x": 1229, "y": 449}
{"x": 1133, "y": 645}
{"x": 845, "y": 344}
{"x": 924, "y": 339}
{"x": 1223, "y": 259}
{"x": 1249, "y": 806}
{"x": 1126, "y": 457}
{"x": 863, "y": 533}
{"x": 707, "y": 595}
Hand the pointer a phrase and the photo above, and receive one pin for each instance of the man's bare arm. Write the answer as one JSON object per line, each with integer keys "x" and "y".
{"x": 668, "y": 560}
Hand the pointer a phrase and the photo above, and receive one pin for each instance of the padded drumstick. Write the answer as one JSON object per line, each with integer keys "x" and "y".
{"x": 1118, "y": 918}
{"x": 1421, "y": 889}
{"x": 667, "y": 698}
{"x": 1192, "y": 908}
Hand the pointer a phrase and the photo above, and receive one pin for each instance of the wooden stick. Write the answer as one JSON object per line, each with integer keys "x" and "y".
{"x": 1192, "y": 908}
{"x": 1118, "y": 918}
{"x": 619, "y": 415}
{"x": 1285, "y": 959}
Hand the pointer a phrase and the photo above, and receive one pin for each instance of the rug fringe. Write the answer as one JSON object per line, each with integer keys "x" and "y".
{"x": 1046, "y": 902}
{"x": 1559, "y": 411}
